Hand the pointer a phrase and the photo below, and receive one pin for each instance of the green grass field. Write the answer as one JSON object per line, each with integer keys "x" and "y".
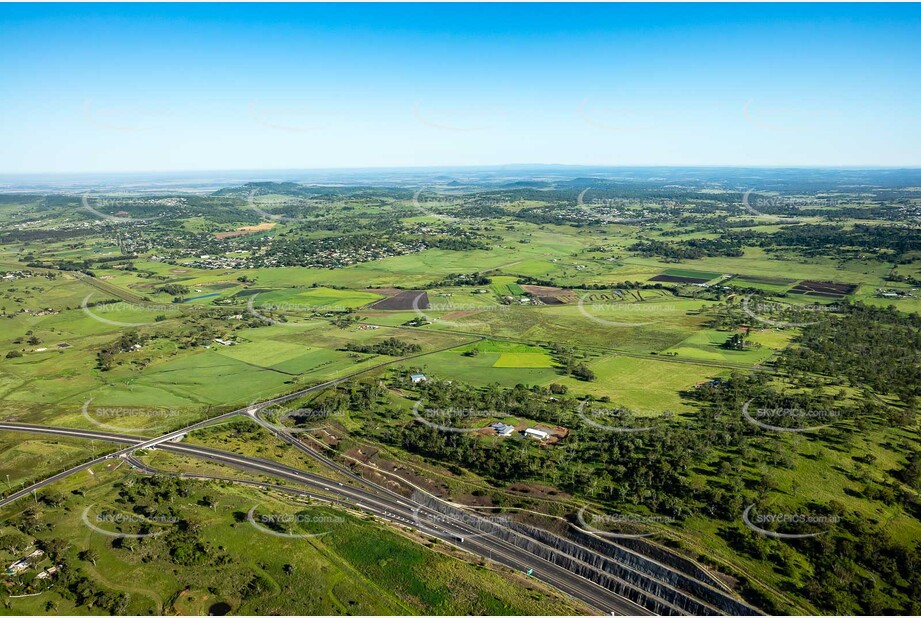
{"x": 707, "y": 345}
{"x": 646, "y": 386}
{"x": 26, "y": 458}
{"x": 318, "y": 299}
{"x": 757, "y": 262}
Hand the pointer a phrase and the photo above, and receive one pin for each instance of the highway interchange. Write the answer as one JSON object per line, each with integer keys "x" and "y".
{"x": 359, "y": 494}
{"x": 382, "y": 503}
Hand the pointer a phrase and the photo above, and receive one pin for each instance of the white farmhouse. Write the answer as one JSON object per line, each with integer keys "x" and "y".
{"x": 536, "y": 433}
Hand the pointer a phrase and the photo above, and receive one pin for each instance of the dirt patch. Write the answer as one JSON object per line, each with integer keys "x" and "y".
{"x": 360, "y": 454}
{"x": 454, "y": 315}
{"x": 542, "y": 290}
{"x": 404, "y": 301}
{"x": 539, "y": 491}
{"x": 244, "y": 230}
{"x": 556, "y": 434}
{"x": 323, "y": 436}
{"x": 256, "y": 228}
{"x": 549, "y": 295}
{"x": 382, "y": 471}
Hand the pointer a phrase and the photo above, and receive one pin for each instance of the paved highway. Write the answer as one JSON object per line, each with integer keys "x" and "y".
{"x": 391, "y": 506}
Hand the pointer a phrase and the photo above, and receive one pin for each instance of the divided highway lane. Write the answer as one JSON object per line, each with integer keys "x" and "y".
{"x": 145, "y": 469}
{"x": 475, "y": 541}
{"x": 286, "y": 436}
{"x": 483, "y": 545}
{"x": 292, "y": 439}
{"x": 48, "y": 481}
{"x": 572, "y": 585}
{"x": 73, "y": 433}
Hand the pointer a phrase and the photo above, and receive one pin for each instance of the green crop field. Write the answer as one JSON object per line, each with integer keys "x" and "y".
{"x": 518, "y": 359}
{"x": 483, "y": 370}
{"x": 684, "y": 272}
{"x": 316, "y": 298}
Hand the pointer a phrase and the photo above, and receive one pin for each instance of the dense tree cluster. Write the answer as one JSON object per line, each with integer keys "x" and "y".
{"x": 866, "y": 345}
{"x": 861, "y": 239}
{"x": 173, "y": 289}
{"x": 462, "y": 279}
{"x": 390, "y": 346}
{"x": 691, "y": 249}
{"x": 652, "y": 470}
{"x": 105, "y": 358}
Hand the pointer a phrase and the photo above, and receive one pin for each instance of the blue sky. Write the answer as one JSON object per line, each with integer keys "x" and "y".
{"x": 106, "y": 88}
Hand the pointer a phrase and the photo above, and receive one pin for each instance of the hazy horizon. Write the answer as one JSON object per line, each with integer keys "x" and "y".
{"x": 447, "y": 178}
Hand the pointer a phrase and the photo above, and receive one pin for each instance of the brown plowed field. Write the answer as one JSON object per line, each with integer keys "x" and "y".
{"x": 404, "y": 301}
